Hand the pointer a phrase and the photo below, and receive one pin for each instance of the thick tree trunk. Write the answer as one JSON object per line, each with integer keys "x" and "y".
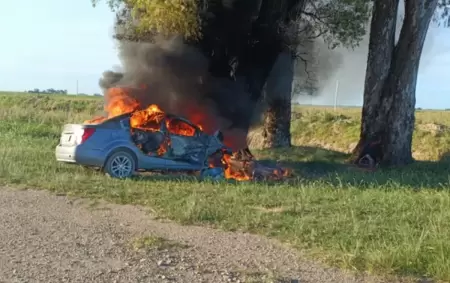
{"x": 243, "y": 49}
{"x": 391, "y": 76}
{"x": 381, "y": 47}
{"x": 277, "y": 116}
{"x": 244, "y": 41}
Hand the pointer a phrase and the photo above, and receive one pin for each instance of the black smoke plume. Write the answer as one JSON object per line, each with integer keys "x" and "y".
{"x": 217, "y": 82}
{"x": 175, "y": 76}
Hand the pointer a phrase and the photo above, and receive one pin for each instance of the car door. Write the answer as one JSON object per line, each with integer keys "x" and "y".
{"x": 186, "y": 141}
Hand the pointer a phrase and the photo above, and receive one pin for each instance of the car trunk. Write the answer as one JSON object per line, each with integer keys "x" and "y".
{"x": 72, "y": 134}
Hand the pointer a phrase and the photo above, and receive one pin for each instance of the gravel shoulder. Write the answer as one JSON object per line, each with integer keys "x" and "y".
{"x": 49, "y": 238}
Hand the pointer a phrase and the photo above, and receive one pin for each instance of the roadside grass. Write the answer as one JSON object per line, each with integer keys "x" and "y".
{"x": 391, "y": 221}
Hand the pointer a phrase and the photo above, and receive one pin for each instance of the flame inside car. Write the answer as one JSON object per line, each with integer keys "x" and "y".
{"x": 145, "y": 126}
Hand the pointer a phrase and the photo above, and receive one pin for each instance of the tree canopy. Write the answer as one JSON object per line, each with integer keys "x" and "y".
{"x": 443, "y": 13}
{"x": 337, "y": 21}
{"x": 242, "y": 40}
{"x": 179, "y": 17}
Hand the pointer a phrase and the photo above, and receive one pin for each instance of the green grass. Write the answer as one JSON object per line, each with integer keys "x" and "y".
{"x": 391, "y": 221}
{"x": 319, "y": 126}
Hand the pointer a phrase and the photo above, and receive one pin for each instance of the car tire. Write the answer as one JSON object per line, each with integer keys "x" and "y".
{"x": 120, "y": 165}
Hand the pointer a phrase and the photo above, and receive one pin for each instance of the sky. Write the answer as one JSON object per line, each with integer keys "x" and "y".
{"x": 349, "y": 67}
{"x": 55, "y": 43}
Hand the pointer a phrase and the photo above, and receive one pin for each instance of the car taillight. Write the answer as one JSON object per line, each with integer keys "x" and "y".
{"x": 86, "y": 134}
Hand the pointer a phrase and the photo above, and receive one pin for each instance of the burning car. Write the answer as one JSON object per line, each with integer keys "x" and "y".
{"x": 137, "y": 137}
{"x": 147, "y": 140}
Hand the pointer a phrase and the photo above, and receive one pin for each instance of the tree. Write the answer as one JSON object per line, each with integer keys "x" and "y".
{"x": 48, "y": 91}
{"x": 139, "y": 17}
{"x": 244, "y": 39}
{"x": 339, "y": 23}
{"x": 391, "y": 76}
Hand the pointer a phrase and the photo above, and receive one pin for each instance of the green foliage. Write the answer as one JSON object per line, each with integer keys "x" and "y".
{"x": 165, "y": 17}
{"x": 113, "y": 4}
{"x": 442, "y": 17}
{"x": 340, "y": 22}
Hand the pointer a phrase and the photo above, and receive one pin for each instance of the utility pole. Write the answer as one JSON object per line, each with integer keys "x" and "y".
{"x": 336, "y": 94}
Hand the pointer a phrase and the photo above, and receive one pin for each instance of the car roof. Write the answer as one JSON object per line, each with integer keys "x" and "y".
{"x": 167, "y": 115}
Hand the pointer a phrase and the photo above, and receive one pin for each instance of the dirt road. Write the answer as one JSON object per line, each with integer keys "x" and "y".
{"x": 48, "y": 238}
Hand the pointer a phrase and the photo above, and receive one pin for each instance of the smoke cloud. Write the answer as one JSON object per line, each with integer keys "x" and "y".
{"x": 175, "y": 76}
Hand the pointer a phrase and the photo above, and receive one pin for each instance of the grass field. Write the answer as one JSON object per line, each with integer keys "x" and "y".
{"x": 392, "y": 221}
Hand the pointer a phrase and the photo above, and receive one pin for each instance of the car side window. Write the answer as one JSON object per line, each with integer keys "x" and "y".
{"x": 180, "y": 127}
{"x": 152, "y": 125}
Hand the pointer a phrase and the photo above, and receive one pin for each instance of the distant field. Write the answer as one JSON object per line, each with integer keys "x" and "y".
{"x": 339, "y": 130}
{"x": 392, "y": 221}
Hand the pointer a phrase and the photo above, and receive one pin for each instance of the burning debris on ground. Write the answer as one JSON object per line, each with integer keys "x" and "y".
{"x": 242, "y": 165}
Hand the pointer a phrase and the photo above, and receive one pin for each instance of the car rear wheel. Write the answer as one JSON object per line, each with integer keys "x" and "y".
{"x": 120, "y": 165}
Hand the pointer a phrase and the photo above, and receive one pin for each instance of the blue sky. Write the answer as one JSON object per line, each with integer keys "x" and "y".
{"x": 54, "y": 43}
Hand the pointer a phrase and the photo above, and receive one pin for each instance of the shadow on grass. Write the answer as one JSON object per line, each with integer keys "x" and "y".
{"x": 312, "y": 164}
{"x": 318, "y": 164}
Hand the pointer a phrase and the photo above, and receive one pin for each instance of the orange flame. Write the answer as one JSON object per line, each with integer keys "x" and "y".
{"x": 119, "y": 101}
{"x": 147, "y": 119}
{"x": 239, "y": 175}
